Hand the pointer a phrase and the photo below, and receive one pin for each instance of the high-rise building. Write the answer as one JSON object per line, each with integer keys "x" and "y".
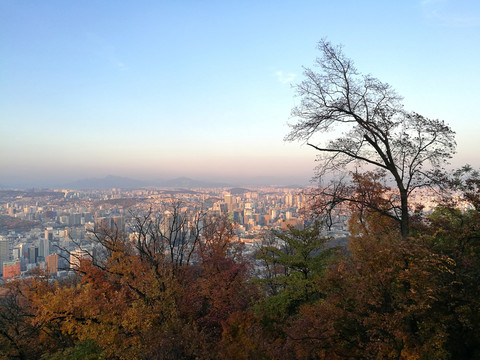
{"x": 230, "y": 201}
{"x": 16, "y": 253}
{"x": 4, "y": 251}
{"x": 116, "y": 223}
{"x": 274, "y": 214}
{"x": 23, "y": 251}
{"x": 289, "y": 200}
{"x": 44, "y": 248}
{"x": 11, "y": 269}
{"x": 76, "y": 256}
{"x": 119, "y": 223}
{"x": 238, "y": 216}
{"x": 52, "y": 263}
{"x": 49, "y": 233}
{"x": 32, "y": 255}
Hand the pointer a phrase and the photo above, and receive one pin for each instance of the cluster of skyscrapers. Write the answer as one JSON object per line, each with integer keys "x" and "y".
{"x": 52, "y": 230}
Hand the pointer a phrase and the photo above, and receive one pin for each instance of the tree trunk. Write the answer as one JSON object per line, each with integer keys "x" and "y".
{"x": 405, "y": 217}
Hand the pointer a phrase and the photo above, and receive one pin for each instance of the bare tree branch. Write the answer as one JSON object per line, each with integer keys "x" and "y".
{"x": 380, "y": 133}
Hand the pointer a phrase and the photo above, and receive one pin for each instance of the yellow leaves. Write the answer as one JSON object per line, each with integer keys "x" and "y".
{"x": 143, "y": 303}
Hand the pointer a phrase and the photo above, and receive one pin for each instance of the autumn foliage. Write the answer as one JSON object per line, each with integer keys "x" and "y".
{"x": 383, "y": 297}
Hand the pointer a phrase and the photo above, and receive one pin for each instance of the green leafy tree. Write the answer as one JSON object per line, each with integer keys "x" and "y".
{"x": 83, "y": 350}
{"x": 397, "y": 298}
{"x": 292, "y": 261}
{"x": 456, "y": 234}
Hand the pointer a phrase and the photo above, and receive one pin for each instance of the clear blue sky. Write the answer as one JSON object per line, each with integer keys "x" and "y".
{"x": 158, "y": 89}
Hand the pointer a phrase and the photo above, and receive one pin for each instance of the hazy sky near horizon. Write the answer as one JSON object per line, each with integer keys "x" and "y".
{"x": 159, "y": 89}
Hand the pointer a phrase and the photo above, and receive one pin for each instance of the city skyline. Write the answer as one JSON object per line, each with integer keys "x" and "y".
{"x": 151, "y": 90}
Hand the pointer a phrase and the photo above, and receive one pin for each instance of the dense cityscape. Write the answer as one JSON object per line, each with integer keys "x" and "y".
{"x": 43, "y": 222}
{"x": 221, "y": 180}
{"x": 50, "y": 229}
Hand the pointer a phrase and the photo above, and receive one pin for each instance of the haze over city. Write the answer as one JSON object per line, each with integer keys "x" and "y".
{"x": 157, "y": 90}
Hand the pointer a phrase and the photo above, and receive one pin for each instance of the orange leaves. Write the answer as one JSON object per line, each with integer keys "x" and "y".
{"x": 138, "y": 302}
{"x": 388, "y": 297}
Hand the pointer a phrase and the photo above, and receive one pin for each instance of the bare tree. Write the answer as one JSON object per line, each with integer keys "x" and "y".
{"x": 172, "y": 235}
{"x": 376, "y": 130}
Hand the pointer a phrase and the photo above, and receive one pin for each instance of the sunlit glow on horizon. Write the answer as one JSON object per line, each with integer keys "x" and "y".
{"x": 161, "y": 90}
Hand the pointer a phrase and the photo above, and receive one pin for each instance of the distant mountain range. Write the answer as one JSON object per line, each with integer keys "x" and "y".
{"x": 111, "y": 181}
